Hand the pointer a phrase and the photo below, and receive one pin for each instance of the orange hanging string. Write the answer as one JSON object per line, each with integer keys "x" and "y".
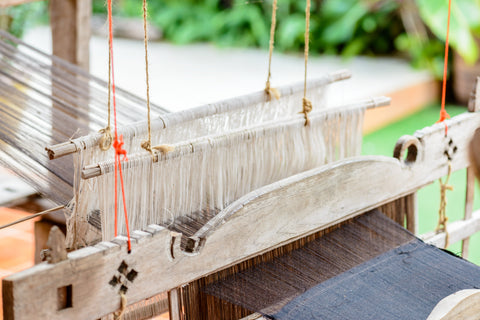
{"x": 443, "y": 113}
{"x": 118, "y": 143}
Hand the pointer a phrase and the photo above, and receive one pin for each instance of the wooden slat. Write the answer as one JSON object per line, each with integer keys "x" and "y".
{"x": 9, "y": 3}
{"x": 262, "y": 220}
{"x": 174, "y": 304}
{"x": 457, "y": 231}
{"x": 468, "y": 206}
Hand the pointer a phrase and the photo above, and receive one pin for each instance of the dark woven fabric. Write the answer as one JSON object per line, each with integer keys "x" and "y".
{"x": 404, "y": 283}
{"x": 269, "y": 286}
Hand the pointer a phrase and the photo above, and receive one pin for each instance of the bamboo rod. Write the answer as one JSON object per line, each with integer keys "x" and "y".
{"x": 171, "y": 119}
{"x": 198, "y": 144}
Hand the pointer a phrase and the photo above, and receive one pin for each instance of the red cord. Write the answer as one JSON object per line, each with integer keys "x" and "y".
{"x": 118, "y": 143}
{"x": 443, "y": 113}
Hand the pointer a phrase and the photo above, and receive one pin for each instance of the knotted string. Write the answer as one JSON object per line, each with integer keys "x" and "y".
{"x": 307, "y": 104}
{"x": 123, "y": 306}
{"x": 442, "y": 211}
{"x": 269, "y": 90}
{"x": 443, "y": 113}
{"x": 147, "y": 144}
{"x": 107, "y": 139}
{"x": 118, "y": 140}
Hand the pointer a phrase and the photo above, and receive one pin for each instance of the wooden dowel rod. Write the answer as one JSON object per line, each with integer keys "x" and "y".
{"x": 171, "y": 119}
{"x": 181, "y": 148}
{"x": 468, "y": 206}
{"x": 31, "y": 217}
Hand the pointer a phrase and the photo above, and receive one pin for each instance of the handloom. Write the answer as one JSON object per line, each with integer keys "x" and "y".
{"x": 282, "y": 216}
{"x": 238, "y": 234}
{"x": 206, "y": 174}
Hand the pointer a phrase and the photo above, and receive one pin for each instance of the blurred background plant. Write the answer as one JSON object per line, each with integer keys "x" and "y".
{"x": 415, "y": 28}
{"x": 412, "y": 28}
{"x": 17, "y": 18}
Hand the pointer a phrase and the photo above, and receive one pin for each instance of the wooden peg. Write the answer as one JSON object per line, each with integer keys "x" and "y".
{"x": 57, "y": 250}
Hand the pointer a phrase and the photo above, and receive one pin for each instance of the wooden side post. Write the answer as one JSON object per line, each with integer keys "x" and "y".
{"x": 468, "y": 206}
{"x": 70, "y": 22}
{"x": 174, "y": 302}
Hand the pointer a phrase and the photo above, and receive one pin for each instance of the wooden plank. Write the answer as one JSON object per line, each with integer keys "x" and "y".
{"x": 469, "y": 195}
{"x": 264, "y": 219}
{"x": 174, "y": 304}
{"x": 10, "y": 3}
{"x": 457, "y": 231}
{"x": 70, "y": 22}
{"x": 412, "y": 213}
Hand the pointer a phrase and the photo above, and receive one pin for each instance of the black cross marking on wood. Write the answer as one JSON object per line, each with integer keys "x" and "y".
{"x": 450, "y": 149}
{"x": 123, "y": 277}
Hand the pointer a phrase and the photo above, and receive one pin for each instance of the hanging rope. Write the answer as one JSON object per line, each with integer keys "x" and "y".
{"x": 123, "y": 306}
{"x": 107, "y": 139}
{"x": 269, "y": 90}
{"x": 443, "y": 113}
{"x": 118, "y": 140}
{"x": 307, "y": 104}
{"x": 442, "y": 212}
{"x": 147, "y": 144}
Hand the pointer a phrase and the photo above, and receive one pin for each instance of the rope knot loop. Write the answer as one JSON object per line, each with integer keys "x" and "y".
{"x": 272, "y": 92}
{"x": 307, "y": 108}
{"x": 147, "y": 146}
{"x": 118, "y": 146}
{"x": 442, "y": 211}
{"x": 106, "y": 140}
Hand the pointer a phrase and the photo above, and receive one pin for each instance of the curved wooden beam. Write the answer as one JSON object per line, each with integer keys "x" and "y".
{"x": 464, "y": 304}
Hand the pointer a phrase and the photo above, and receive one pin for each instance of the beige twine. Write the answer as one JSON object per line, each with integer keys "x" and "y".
{"x": 307, "y": 104}
{"x": 442, "y": 212}
{"x": 106, "y": 140}
{"x": 269, "y": 90}
{"x": 123, "y": 306}
{"x": 147, "y": 145}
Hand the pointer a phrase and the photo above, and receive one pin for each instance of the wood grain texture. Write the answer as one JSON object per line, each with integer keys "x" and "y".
{"x": 260, "y": 221}
{"x": 464, "y": 304}
{"x": 70, "y": 37}
{"x": 469, "y": 196}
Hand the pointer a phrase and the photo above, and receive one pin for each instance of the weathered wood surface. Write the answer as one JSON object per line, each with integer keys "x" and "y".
{"x": 464, "y": 304}
{"x": 457, "y": 231}
{"x": 469, "y": 197}
{"x": 264, "y": 219}
{"x": 70, "y": 22}
{"x": 174, "y": 304}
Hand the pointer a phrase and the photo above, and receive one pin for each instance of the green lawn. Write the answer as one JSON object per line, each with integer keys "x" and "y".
{"x": 382, "y": 142}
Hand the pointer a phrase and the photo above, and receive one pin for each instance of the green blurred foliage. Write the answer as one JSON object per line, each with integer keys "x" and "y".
{"x": 17, "y": 18}
{"x": 345, "y": 27}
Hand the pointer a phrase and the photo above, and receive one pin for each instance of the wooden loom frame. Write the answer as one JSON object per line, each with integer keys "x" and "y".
{"x": 309, "y": 202}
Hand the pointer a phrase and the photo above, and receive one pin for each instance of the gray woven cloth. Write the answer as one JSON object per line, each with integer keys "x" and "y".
{"x": 404, "y": 283}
